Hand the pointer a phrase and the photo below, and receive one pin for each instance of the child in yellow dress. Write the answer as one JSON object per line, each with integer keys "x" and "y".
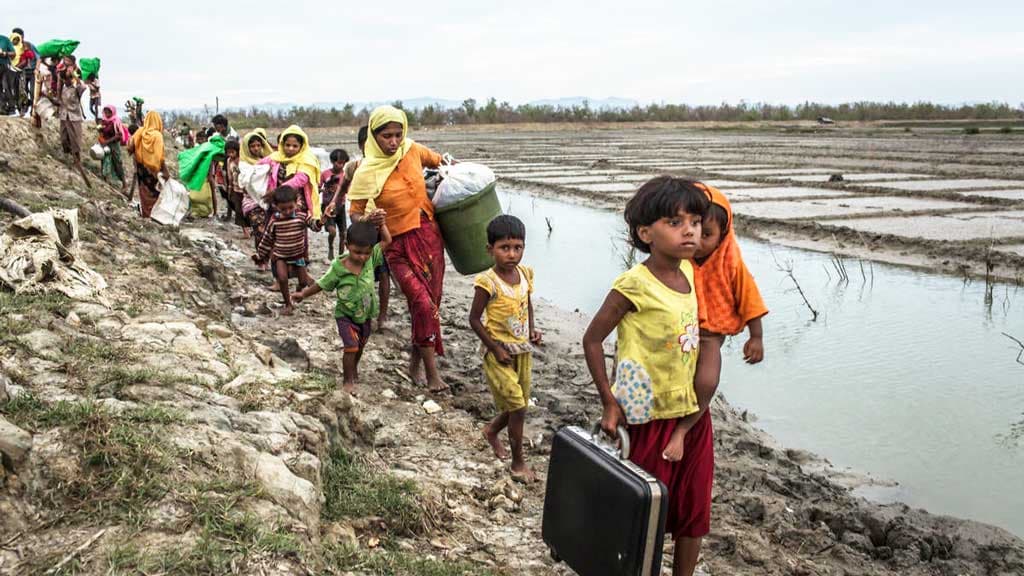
{"x": 502, "y": 316}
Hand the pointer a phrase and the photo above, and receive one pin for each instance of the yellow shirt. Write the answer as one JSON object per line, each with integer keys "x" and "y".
{"x": 658, "y": 346}
{"x": 507, "y": 316}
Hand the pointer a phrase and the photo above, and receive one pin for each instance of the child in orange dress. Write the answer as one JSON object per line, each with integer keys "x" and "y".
{"x": 730, "y": 302}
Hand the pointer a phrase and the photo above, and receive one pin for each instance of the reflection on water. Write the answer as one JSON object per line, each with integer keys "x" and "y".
{"x": 904, "y": 375}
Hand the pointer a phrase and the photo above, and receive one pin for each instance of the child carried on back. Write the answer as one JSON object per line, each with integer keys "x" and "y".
{"x": 729, "y": 301}
{"x": 351, "y": 278}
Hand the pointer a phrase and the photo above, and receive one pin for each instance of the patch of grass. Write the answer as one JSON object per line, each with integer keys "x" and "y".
{"x": 124, "y": 458}
{"x": 154, "y": 414}
{"x": 114, "y": 379}
{"x": 1006, "y": 130}
{"x": 340, "y": 559}
{"x": 314, "y": 381}
{"x": 158, "y": 263}
{"x": 51, "y": 302}
{"x": 229, "y": 541}
{"x": 972, "y": 130}
{"x": 351, "y": 490}
{"x": 83, "y": 356}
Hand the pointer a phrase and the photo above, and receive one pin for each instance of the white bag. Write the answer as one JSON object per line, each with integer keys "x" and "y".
{"x": 323, "y": 156}
{"x": 44, "y": 108}
{"x": 255, "y": 179}
{"x": 461, "y": 181}
{"x": 172, "y": 204}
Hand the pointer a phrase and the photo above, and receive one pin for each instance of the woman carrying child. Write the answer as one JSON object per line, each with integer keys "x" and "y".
{"x": 390, "y": 179}
{"x": 253, "y": 149}
{"x": 147, "y": 147}
{"x": 294, "y": 165}
{"x": 653, "y": 307}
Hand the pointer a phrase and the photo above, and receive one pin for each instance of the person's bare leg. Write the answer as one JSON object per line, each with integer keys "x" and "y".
{"x": 81, "y": 170}
{"x": 516, "y": 423}
{"x": 491, "y": 432}
{"x": 348, "y": 365}
{"x": 416, "y": 367}
{"x": 687, "y": 554}
{"x": 384, "y": 296}
{"x": 434, "y": 382}
{"x": 331, "y": 233}
{"x": 281, "y": 275}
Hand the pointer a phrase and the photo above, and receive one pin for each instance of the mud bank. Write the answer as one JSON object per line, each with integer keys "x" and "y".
{"x": 178, "y": 424}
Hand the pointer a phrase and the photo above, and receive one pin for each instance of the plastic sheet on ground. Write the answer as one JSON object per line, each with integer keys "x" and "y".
{"x": 38, "y": 254}
{"x": 460, "y": 182}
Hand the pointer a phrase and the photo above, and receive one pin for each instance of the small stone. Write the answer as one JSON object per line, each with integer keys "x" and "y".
{"x": 389, "y": 394}
{"x": 4, "y": 382}
{"x": 501, "y": 502}
{"x": 341, "y": 533}
{"x": 73, "y": 320}
{"x": 431, "y": 407}
{"x": 14, "y": 442}
{"x": 219, "y": 330}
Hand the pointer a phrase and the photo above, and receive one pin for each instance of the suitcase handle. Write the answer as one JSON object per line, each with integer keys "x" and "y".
{"x": 623, "y": 439}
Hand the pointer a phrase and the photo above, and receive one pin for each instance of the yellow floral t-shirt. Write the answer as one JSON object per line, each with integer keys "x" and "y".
{"x": 658, "y": 346}
{"x": 507, "y": 316}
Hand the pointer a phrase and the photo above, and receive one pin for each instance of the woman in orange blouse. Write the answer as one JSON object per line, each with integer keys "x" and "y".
{"x": 388, "y": 187}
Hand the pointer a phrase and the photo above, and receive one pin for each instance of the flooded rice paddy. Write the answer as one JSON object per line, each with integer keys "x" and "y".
{"x": 904, "y": 375}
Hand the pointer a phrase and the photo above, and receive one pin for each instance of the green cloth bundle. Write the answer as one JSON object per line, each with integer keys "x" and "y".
{"x": 57, "y": 48}
{"x": 90, "y": 67}
{"x": 194, "y": 163}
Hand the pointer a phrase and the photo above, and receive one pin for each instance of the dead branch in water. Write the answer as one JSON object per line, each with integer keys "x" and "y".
{"x": 1020, "y": 353}
{"x": 550, "y": 227}
{"x": 840, "y": 268}
{"x": 787, "y": 268}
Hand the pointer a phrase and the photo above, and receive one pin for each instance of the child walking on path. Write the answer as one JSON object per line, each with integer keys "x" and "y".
{"x": 351, "y": 279}
{"x": 330, "y": 193}
{"x": 653, "y": 308}
{"x": 286, "y": 244}
{"x": 502, "y": 316}
{"x": 730, "y": 301}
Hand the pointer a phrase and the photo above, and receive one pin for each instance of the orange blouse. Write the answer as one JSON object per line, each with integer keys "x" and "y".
{"x": 404, "y": 195}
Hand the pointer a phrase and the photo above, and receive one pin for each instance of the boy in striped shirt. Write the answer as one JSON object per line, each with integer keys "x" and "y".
{"x": 286, "y": 244}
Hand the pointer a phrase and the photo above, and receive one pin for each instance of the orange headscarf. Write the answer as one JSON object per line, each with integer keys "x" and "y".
{"x": 149, "y": 143}
{"x": 726, "y": 291}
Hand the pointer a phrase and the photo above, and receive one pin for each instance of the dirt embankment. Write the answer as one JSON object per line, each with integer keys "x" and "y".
{"x": 177, "y": 424}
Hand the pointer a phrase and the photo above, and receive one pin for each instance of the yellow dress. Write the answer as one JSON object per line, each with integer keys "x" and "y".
{"x": 507, "y": 320}
{"x": 658, "y": 346}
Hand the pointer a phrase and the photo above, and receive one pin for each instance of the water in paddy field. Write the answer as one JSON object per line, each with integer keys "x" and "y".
{"x": 905, "y": 375}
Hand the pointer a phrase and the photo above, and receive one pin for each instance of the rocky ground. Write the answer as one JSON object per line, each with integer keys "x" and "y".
{"x": 176, "y": 424}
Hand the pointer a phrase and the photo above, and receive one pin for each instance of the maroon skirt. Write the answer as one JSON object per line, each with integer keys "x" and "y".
{"x": 416, "y": 259}
{"x": 688, "y": 481}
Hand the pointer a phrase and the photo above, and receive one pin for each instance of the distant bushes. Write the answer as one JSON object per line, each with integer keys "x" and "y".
{"x": 494, "y": 112}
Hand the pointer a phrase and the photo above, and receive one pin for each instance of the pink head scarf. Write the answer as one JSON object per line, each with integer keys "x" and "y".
{"x": 115, "y": 120}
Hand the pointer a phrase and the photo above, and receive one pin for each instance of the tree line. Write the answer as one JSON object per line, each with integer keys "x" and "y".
{"x": 494, "y": 112}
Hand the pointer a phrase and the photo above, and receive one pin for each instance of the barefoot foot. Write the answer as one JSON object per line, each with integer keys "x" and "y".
{"x": 522, "y": 473}
{"x": 673, "y": 451}
{"x": 492, "y": 438}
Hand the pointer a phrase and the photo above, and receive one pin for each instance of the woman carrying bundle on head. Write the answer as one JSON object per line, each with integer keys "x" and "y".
{"x": 388, "y": 187}
{"x": 147, "y": 147}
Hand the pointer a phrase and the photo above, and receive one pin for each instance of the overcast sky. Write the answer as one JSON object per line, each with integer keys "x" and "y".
{"x": 184, "y": 53}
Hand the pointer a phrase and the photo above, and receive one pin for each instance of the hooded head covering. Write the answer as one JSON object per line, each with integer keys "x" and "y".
{"x": 149, "y": 142}
{"x": 376, "y": 166}
{"x": 19, "y": 47}
{"x": 260, "y": 135}
{"x": 194, "y": 163}
{"x": 303, "y": 161}
{"x": 725, "y": 288}
{"x": 115, "y": 121}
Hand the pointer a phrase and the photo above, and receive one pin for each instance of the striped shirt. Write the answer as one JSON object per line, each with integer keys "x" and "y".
{"x": 284, "y": 238}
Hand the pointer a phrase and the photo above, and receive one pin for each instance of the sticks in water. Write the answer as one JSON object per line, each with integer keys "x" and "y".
{"x": 787, "y": 268}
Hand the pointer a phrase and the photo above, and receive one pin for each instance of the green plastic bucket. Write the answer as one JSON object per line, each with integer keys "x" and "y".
{"x": 464, "y": 228}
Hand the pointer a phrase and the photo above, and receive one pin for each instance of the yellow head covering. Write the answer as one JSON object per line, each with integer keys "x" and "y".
{"x": 376, "y": 166}
{"x": 304, "y": 161}
{"x": 18, "y": 48}
{"x": 243, "y": 151}
{"x": 149, "y": 142}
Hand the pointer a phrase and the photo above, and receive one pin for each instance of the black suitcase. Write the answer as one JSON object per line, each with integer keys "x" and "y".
{"x": 603, "y": 515}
